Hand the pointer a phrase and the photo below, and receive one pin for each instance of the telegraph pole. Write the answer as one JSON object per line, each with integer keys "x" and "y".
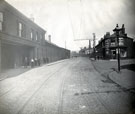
{"x": 89, "y": 43}
{"x": 94, "y": 43}
{"x": 89, "y": 47}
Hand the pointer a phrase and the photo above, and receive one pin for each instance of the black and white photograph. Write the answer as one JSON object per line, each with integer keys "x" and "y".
{"x": 67, "y": 57}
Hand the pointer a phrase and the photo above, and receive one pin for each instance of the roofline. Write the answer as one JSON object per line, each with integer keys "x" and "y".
{"x": 114, "y": 37}
{"x": 55, "y": 45}
{"x": 21, "y": 15}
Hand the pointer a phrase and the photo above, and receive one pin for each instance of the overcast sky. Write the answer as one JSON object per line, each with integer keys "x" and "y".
{"x": 67, "y": 20}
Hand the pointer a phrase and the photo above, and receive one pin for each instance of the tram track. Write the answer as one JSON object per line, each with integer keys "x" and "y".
{"x": 43, "y": 84}
{"x": 84, "y": 97}
{"x": 61, "y": 69}
{"x": 61, "y": 96}
{"x": 68, "y": 88}
{"x": 98, "y": 97}
{"x": 32, "y": 94}
{"x": 102, "y": 102}
{"x": 10, "y": 90}
{"x": 84, "y": 80}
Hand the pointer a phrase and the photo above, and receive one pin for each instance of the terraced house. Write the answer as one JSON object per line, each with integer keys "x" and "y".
{"x": 107, "y": 47}
{"x": 21, "y": 38}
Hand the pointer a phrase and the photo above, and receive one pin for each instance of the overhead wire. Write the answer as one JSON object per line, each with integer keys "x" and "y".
{"x": 81, "y": 24}
{"x": 70, "y": 19}
{"x": 81, "y": 19}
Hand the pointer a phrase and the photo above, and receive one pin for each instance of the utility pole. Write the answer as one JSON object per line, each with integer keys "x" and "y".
{"x": 89, "y": 43}
{"x": 94, "y": 43}
{"x": 89, "y": 47}
{"x": 117, "y": 30}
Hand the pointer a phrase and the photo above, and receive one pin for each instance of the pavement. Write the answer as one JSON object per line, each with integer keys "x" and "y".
{"x": 20, "y": 70}
{"x": 108, "y": 68}
{"x": 12, "y": 72}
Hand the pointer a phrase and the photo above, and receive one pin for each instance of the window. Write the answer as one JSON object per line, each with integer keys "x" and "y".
{"x": 31, "y": 34}
{"x": 1, "y": 20}
{"x": 36, "y": 36}
{"x": 121, "y": 41}
{"x": 113, "y": 42}
{"x": 20, "y": 29}
{"x": 123, "y": 53}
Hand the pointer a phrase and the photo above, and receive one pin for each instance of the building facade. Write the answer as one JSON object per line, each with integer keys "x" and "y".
{"x": 134, "y": 47}
{"x": 107, "y": 47}
{"x": 21, "y": 39}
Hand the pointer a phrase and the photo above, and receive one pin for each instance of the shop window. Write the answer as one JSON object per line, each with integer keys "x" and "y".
{"x": 123, "y": 53}
{"x": 1, "y": 21}
{"x": 107, "y": 52}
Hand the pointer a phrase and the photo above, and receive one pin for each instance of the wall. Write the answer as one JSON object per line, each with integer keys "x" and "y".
{"x": 13, "y": 55}
{"x": 129, "y": 43}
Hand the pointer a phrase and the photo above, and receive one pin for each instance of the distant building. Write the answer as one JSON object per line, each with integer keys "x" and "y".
{"x": 107, "y": 46}
{"x": 85, "y": 51}
{"x": 74, "y": 54}
{"x": 21, "y": 39}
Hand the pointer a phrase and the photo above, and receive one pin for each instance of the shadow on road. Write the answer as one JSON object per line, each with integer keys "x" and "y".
{"x": 129, "y": 67}
{"x": 13, "y": 72}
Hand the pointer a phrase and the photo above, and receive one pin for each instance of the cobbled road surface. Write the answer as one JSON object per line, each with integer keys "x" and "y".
{"x": 69, "y": 87}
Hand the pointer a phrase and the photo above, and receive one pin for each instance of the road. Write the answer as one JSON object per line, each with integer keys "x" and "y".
{"x": 69, "y": 87}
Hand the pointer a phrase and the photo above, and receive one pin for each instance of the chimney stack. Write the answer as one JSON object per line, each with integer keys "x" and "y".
{"x": 49, "y": 37}
{"x": 31, "y": 18}
{"x": 123, "y": 29}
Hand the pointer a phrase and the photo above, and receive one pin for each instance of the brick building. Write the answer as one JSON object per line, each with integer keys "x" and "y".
{"x": 107, "y": 46}
{"x": 21, "y": 39}
{"x": 134, "y": 47}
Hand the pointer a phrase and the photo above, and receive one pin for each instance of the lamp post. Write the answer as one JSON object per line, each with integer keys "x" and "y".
{"x": 117, "y": 30}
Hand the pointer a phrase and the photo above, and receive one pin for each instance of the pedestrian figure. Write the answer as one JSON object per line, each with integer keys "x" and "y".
{"x": 36, "y": 62}
{"x": 32, "y": 63}
{"x": 98, "y": 57}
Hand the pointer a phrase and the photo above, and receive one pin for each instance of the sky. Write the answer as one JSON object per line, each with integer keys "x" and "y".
{"x": 69, "y": 20}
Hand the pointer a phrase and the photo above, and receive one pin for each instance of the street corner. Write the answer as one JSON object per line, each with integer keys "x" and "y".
{"x": 125, "y": 78}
